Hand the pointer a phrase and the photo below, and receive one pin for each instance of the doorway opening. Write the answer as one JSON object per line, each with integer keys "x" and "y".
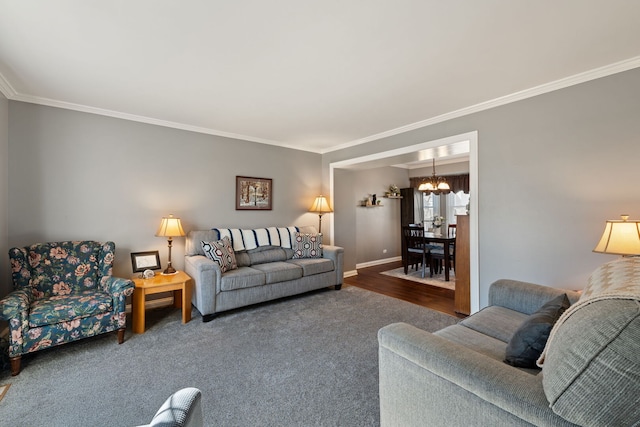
{"x": 424, "y": 151}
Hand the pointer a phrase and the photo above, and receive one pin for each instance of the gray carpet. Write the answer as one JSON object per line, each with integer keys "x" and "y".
{"x": 301, "y": 361}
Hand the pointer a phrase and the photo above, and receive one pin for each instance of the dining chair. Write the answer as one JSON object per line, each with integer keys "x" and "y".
{"x": 414, "y": 250}
{"x": 437, "y": 258}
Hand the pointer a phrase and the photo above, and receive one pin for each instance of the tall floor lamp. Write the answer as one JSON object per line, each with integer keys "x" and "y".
{"x": 321, "y": 207}
{"x": 170, "y": 227}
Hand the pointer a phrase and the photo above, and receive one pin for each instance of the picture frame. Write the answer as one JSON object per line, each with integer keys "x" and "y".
{"x": 254, "y": 193}
{"x": 141, "y": 261}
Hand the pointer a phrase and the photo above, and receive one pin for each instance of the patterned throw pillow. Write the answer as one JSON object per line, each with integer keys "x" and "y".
{"x": 307, "y": 245}
{"x": 222, "y": 253}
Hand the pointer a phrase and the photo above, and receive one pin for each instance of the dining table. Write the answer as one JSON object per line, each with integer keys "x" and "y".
{"x": 430, "y": 237}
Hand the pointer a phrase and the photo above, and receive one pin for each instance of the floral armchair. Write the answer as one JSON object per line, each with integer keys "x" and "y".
{"x": 63, "y": 291}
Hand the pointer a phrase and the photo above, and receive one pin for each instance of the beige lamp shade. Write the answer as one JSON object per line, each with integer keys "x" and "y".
{"x": 620, "y": 237}
{"x": 170, "y": 227}
{"x": 320, "y": 205}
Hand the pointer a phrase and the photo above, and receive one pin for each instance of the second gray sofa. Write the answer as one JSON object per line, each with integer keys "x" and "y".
{"x": 457, "y": 376}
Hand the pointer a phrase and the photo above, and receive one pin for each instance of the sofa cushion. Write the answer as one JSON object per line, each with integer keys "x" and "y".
{"x": 529, "y": 340}
{"x": 474, "y": 340}
{"x": 222, "y": 253}
{"x": 279, "y": 271}
{"x": 311, "y": 266}
{"x": 240, "y": 278}
{"x": 591, "y": 371}
{"x": 307, "y": 245}
{"x": 495, "y": 321}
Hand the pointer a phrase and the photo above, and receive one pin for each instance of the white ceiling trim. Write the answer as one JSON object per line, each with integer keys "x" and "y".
{"x": 142, "y": 119}
{"x": 10, "y": 93}
{"x": 586, "y": 76}
{"x": 5, "y": 87}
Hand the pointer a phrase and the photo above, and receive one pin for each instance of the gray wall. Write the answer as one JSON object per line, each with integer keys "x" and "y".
{"x": 81, "y": 176}
{"x": 378, "y": 229}
{"x": 344, "y": 206}
{"x": 5, "y": 284}
{"x": 552, "y": 169}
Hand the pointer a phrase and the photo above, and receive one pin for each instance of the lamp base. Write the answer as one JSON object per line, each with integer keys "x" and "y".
{"x": 169, "y": 271}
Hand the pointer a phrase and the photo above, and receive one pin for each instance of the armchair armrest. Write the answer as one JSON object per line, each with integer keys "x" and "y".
{"x": 523, "y": 296}
{"x": 117, "y": 285}
{"x": 119, "y": 289}
{"x": 15, "y": 305}
{"x": 14, "y": 309}
{"x": 410, "y": 357}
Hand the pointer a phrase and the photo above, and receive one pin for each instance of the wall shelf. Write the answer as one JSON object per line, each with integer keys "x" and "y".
{"x": 392, "y": 197}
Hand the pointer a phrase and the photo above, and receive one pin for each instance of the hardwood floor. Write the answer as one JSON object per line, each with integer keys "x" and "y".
{"x": 433, "y": 297}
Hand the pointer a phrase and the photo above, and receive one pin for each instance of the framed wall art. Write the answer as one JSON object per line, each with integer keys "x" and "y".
{"x": 141, "y": 261}
{"x": 254, "y": 193}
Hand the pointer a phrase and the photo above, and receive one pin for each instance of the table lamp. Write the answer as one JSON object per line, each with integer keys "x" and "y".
{"x": 170, "y": 227}
{"x": 321, "y": 207}
{"x": 620, "y": 237}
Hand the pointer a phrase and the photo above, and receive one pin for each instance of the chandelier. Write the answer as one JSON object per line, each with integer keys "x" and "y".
{"x": 435, "y": 184}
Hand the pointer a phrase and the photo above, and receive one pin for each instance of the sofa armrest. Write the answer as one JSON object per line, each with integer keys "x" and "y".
{"x": 206, "y": 275}
{"x": 419, "y": 371}
{"x": 336, "y": 254}
{"x": 525, "y": 297}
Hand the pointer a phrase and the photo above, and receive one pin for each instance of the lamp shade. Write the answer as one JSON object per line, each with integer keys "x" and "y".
{"x": 170, "y": 227}
{"x": 320, "y": 205}
{"x": 620, "y": 237}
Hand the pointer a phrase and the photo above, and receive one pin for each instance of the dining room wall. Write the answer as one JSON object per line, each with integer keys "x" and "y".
{"x": 379, "y": 227}
{"x": 551, "y": 169}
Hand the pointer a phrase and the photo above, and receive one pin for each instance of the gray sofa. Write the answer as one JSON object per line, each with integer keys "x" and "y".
{"x": 264, "y": 273}
{"x": 457, "y": 377}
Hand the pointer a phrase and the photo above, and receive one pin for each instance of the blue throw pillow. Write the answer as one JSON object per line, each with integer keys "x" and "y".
{"x": 527, "y": 343}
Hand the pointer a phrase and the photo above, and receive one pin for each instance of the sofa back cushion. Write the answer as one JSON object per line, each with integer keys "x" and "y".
{"x": 591, "y": 372}
{"x": 267, "y": 254}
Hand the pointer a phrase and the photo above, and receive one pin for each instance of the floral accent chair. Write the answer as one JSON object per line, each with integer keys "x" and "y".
{"x": 63, "y": 291}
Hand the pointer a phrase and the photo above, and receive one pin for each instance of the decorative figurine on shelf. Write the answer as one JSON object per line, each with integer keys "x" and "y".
{"x": 373, "y": 199}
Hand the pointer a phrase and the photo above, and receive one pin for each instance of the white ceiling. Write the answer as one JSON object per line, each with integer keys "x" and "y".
{"x": 313, "y": 75}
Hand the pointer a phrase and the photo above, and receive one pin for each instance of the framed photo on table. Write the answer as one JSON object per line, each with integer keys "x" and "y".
{"x": 141, "y": 261}
{"x": 254, "y": 193}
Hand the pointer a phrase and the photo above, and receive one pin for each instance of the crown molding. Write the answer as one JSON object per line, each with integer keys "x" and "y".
{"x": 5, "y": 87}
{"x": 142, "y": 119}
{"x": 586, "y": 76}
{"x": 10, "y": 93}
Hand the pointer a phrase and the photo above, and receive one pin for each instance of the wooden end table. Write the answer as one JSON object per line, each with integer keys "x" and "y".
{"x": 179, "y": 283}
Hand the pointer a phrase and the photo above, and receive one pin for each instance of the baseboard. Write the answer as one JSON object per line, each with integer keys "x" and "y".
{"x": 350, "y": 273}
{"x": 154, "y": 303}
{"x": 378, "y": 262}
